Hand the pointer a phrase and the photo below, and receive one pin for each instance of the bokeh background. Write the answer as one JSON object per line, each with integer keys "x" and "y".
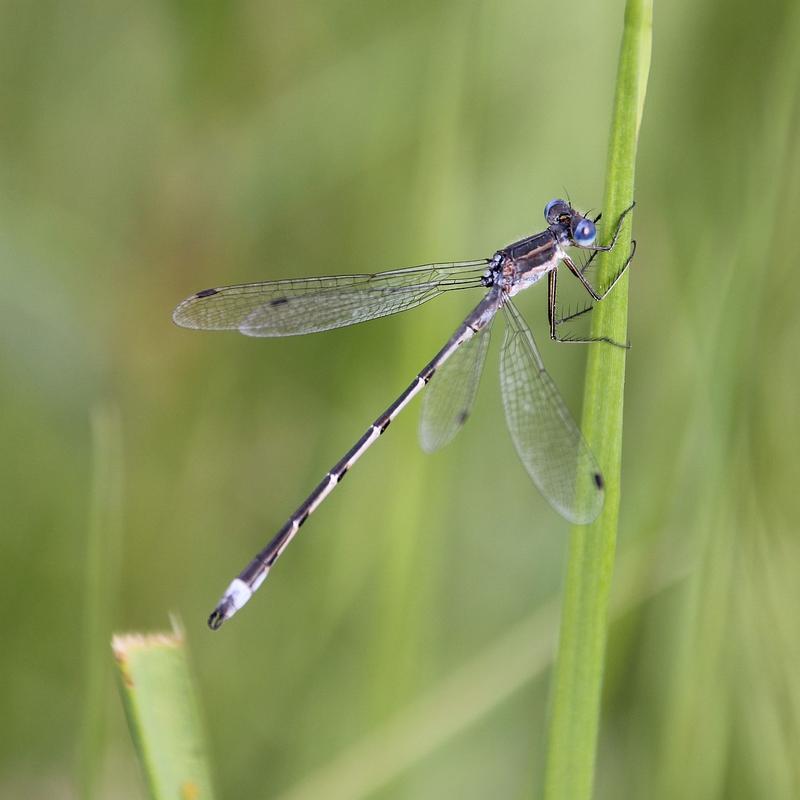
{"x": 402, "y": 647}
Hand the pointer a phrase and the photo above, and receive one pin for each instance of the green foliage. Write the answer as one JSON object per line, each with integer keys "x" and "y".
{"x": 156, "y": 686}
{"x": 102, "y": 576}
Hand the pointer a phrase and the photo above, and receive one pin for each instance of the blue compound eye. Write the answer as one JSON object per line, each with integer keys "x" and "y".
{"x": 554, "y": 209}
{"x": 584, "y": 232}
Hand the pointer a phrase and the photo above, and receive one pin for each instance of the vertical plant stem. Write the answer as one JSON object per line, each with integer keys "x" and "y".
{"x": 102, "y": 570}
{"x": 578, "y": 673}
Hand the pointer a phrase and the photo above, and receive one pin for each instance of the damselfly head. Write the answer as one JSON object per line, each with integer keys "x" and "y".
{"x": 578, "y": 229}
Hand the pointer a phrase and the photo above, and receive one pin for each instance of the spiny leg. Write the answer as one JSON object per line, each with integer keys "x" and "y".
{"x": 571, "y": 315}
{"x": 552, "y": 308}
{"x": 585, "y": 267}
{"x": 579, "y": 273}
{"x": 610, "y": 245}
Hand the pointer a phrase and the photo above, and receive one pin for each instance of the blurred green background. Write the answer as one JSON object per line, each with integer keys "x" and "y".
{"x": 401, "y": 649}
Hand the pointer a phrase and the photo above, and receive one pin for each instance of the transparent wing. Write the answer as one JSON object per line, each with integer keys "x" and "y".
{"x": 545, "y": 435}
{"x": 307, "y": 305}
{"x": 448, "y": 399}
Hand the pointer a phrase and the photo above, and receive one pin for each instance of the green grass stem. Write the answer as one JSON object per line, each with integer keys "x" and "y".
{"x": 163, "y": 715}
{"x": 104, "y": 535}
{"x": 578, "y": 673}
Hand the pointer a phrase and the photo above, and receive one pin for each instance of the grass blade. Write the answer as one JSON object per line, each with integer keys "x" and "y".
{"x": 577, "y": 678}
{"x": 163, "y": 715}
{"x": 102, "y": 569}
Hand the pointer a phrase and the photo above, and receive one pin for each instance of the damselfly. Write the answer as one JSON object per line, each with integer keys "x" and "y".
{"x": 545, "y": 435}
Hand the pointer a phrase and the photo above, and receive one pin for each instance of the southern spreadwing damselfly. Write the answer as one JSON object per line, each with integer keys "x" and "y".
{"x": 545, "y": 435}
